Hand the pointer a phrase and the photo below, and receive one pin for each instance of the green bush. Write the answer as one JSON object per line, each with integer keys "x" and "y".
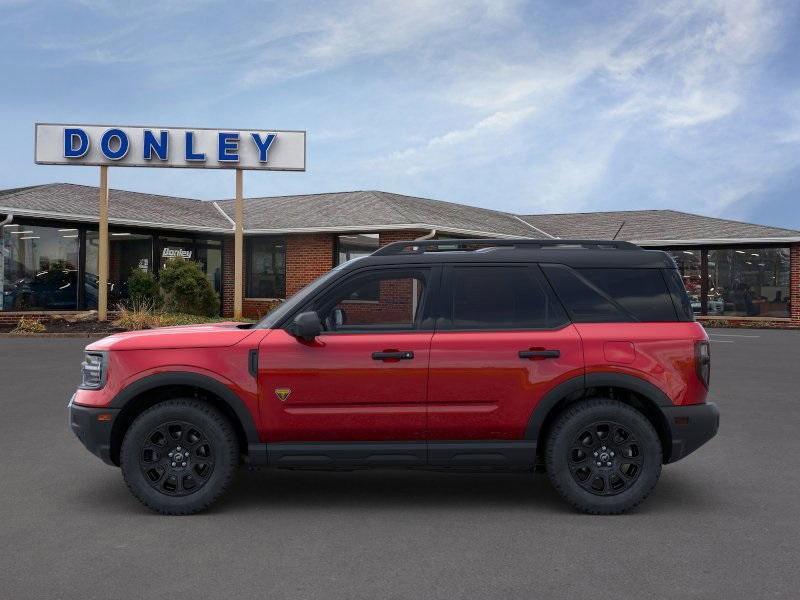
{"x": 186, "y": 290}
{"x": 143, "y": 289}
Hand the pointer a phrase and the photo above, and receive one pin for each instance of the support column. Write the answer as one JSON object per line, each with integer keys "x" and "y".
{"x": 103, "y": 254}
{"x": 238, "y": 250}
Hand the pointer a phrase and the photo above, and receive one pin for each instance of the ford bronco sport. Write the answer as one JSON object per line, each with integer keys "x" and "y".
{"x": 579, "y": 357}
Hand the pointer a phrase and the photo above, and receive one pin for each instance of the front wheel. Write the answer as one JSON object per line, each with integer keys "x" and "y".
{"x": 179, "y": 456}
{"x": 603, "y": 456}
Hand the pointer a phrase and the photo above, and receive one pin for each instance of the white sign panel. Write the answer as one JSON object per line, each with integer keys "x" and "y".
{"x": 189, "y": 148}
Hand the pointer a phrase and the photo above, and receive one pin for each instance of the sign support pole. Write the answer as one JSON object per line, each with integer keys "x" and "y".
{"x": 102, "y": 267}
{"x": 238, "y": 256}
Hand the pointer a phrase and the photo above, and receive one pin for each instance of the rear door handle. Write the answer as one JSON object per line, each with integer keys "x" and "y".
{"x": 393, "y": 355}
{"x": 539, "y": 354}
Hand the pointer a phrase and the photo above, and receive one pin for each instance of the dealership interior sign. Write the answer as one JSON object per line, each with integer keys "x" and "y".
{"x": 122, "y": 146}
{"x": 178, "y": 147}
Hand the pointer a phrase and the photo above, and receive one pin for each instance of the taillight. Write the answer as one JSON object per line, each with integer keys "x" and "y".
{"x": 702, "y": 361}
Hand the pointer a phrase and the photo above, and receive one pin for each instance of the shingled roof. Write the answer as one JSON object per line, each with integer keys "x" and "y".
{"x": 365, "y": 211}
{"x": 655, "y": 227}
{"x": 374, "y": 210}
{"x": 79, "y": 203}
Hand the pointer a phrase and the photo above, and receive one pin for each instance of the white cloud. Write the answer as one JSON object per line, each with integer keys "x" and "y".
{"x": 476, "y": 143}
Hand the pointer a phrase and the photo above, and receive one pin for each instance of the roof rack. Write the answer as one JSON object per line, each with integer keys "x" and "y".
{"x": 421, "y": 246}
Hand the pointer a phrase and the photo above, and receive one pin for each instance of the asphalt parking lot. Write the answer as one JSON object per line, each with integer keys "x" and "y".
{"x": 723, "y": 523}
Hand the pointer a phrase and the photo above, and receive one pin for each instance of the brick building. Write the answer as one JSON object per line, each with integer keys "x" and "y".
{"x": 742, "y": 273}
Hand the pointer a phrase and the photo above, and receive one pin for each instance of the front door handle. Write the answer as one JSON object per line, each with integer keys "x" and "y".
{"x": 393, "y": 355}
{"x": 539, "y": 354}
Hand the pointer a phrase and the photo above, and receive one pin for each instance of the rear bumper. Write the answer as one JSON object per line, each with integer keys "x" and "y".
{"x": 690, "y": 427}
{"x": 93, "y": 428}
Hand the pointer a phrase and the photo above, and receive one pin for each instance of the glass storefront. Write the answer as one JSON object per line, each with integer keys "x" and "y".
{"x": 128, "y": 251}
{"x": 39, "y": 267}
{"x": 266, "y": 267}
{"x": 749, "y": 282}
{"x": 738, "y": 281}
{"x": 690, "y": 267}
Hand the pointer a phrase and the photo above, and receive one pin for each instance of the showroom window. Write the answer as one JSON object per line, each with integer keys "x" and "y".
{"x": 748, "y": 282}
{"x": 737, "y": 281}
{"x": 690, "y": 263}
{"x": 266, "y": 267}
{"x": 39, "y": 267}
{"x": 356, "y": 245}
{"x": 128, "y": 252}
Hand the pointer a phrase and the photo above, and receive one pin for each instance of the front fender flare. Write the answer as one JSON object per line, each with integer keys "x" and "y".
{"x": 204, "y": 382}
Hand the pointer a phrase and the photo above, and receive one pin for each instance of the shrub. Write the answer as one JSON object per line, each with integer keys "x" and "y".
{"x": 143, "y": 289}
{"x": 186, "y": 290}
{"x": 26, "y": 325}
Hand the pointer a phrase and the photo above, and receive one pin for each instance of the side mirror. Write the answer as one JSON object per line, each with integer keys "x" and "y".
{"x": 306, "y": 326}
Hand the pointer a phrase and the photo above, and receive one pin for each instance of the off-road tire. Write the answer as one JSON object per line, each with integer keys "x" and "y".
{"x": 565, "y": 445}
{"x": 222, "y": 456}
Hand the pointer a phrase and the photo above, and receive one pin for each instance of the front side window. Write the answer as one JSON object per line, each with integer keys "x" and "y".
{"x": 399, "y": 298}
{"x": 266, "y": 267}
{"x": 493, "y": 297}
{"x": 39, "y": 268}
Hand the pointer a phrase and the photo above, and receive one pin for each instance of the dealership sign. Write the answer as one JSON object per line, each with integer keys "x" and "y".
{"x": 193, "y": 148}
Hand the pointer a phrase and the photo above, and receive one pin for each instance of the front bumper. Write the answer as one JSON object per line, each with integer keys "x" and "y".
{"x": 93, "y": 427}
{"x": 690, "y": 427}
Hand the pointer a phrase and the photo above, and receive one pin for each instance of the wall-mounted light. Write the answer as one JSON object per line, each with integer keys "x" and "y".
{"x": 30, "y": 237}
{"x": 68, "y": 230}
{"x": 21, "y": 232}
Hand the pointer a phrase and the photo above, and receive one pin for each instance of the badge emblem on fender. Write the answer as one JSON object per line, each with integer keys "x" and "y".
{"x": 282, "y": 393}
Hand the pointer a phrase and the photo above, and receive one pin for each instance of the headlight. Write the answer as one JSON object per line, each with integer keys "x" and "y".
{"x": 93, "y": 371}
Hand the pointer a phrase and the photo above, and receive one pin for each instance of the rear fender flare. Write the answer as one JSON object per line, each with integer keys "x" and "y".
{"x": 577, "y": 387}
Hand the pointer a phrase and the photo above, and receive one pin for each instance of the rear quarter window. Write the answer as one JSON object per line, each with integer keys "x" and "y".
{"x": 593, "y": 295}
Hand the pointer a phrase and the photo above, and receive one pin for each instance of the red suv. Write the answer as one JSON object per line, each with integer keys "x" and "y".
{"x": 581, "y": 357}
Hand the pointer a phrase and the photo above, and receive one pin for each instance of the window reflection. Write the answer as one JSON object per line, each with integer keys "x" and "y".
{"x": 39, "y": 268}
{"x": 690, "y": 267}
{"x": 749, "y": 282}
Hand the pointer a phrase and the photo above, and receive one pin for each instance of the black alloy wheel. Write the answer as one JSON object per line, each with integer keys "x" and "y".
{"x": 179, "y": 456}
{"x": 603, "y": 456}
{"x": 176, "y": 458}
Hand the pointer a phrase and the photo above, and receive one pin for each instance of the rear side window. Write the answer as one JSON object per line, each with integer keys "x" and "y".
{"x": 585, "y": 302}
{"x": 608, "y": 295}
{"x": 493, "y": 297}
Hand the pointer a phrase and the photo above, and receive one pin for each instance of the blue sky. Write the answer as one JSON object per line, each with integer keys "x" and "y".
{"x": 520, "y": 106}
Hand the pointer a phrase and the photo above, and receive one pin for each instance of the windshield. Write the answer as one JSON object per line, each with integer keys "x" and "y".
{"x": 277, "y": 314}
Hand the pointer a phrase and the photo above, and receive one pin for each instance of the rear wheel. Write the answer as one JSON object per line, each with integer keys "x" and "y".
{"x": 603, "y": 456}
{"x": 179, "y": 456}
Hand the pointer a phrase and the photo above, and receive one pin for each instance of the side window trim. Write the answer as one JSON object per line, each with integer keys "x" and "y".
{"x": 444, "y": 316}
{"x": 429, "y": 275}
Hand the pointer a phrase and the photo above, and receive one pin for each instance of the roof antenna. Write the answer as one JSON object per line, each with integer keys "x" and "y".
{"x": 618, "y": 230}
